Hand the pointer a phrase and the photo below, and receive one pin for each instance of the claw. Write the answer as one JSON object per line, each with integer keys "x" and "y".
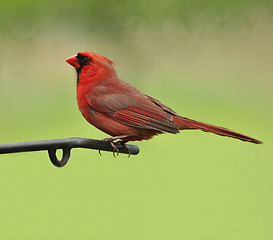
{"x": 128, "y": 150}
{"x": 112, "y": 139}
{"x": 115, "y": 148}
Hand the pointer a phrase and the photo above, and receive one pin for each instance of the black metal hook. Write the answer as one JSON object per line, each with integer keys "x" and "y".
{"x": 66, "y": 144}
{"x": 54, "y": 159}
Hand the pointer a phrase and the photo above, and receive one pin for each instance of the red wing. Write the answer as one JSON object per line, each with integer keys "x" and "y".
{"x": 160, "y": 104}
{"x": 134, "y": 110}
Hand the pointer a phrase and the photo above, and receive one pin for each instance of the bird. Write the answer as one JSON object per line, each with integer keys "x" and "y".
{"x": 122, "y": 111}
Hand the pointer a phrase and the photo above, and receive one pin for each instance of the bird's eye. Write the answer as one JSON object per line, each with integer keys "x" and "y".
{"x": 83, "y": 60}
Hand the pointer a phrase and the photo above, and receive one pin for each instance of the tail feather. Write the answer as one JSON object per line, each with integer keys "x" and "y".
{"x": 185, "y": 123}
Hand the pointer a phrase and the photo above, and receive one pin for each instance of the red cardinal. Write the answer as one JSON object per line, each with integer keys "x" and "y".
{"x": 122, "y": 111}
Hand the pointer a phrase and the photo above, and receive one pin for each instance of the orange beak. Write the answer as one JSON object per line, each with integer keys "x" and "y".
{"x": 73, "y": 61}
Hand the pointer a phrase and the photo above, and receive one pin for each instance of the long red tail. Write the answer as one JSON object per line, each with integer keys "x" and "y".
{"x": 185, "y": 123}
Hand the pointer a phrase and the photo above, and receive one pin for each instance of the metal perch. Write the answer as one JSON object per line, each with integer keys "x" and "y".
{"x": 66, "y": 144}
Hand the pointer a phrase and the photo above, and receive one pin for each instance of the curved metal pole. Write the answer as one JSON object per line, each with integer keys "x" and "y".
{"x": 55, "y": 161}
{"x": 66, "y": 144}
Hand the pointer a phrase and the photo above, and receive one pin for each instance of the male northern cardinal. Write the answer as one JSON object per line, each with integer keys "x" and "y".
{"x": 122, "y": 111}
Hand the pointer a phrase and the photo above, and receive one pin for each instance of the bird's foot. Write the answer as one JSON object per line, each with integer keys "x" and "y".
{"x": 111, "y": 141}
{"x": 127, "y": 149}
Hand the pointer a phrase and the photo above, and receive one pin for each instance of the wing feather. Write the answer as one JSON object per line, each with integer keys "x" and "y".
{"x": 133, "y": 109}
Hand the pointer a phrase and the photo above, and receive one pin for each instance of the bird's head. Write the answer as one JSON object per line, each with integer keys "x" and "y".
{"x": 89, "y": 64}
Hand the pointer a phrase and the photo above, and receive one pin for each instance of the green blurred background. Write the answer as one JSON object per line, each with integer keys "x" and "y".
{"x": 208, "y": 60}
